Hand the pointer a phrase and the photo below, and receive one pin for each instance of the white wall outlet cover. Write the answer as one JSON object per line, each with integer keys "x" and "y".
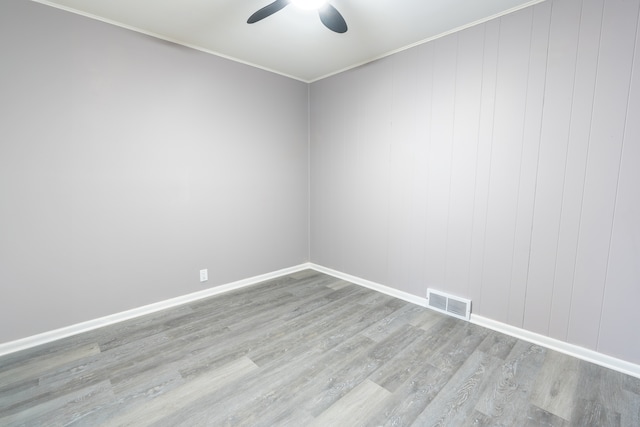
{"x": 204, "y": 275}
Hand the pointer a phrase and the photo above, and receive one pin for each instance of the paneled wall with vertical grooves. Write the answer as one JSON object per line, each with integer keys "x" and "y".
{"x": 499, "y": 163}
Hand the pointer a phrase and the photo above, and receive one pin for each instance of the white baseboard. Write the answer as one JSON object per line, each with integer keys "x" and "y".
{"x": 46, "y": 337}
{"x": 560, "y": 346}
{"x": 532, "y": 337}
{"x": 405, "y": 296}
{"x": 544, "y": 341}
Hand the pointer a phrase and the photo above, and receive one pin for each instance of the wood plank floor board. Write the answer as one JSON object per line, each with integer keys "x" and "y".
{"x": 179, "y": 397}
{"x": 478, "y": 419}
{"x": 427, "y": 319}
{"x": 104, "y": 365}
{"x": 631, "y": 384}
{"x": 144, "y": 326}
{"x": 375, "y": 298}
{"x": 537, "y": 417}
{"x": 354, "y": 407}
{"x": 181, "y": 392}
{"x": 139, "y": 391}
{"x": 312, "y": 284}
{"x": 14, "y": 392}
{"x": 358, "y": 350}
{"x": 555, "y": 388}
{"x": 41, "y": 394}
{"x": 335, "y": 383}
{"x": 43, "y": 363}
{"x": 267, "y": 342}
{"x": 79, "y": 410}
{"x": 50, "y": 351}
{"x": 391, "y": 375}
{"x": 205, "y": 321}
{"x": 198, "y": 344}
{"x": 461, "y": 344}
{"x": 497, "y": 344}
{"x": 393, "y": 322}
{"x": 454, "y": 404}
{"x": 317, "y": 333}
{"x": 598, "y": 393}
{"x": 629, "y": 409}
{"x": 148, "y": 385}
{"x": 339, "y": 284}
{"x": 507, "y": 394}
{"x": 411, "y": 398}
{"x": 318, "y": 362}
{"x": 281, "y": 382}
{"x": 591, "y": 413}
{"x": 230, "y": 304}
{"x": 229, "y": 314}
{"x": 62, "y": 407}
{"x": 36, "y": 391}
{"x": 306, "y": 349}
{"x": 307, "y": 304}
{"x": 354, "y": 317}
{"x": 349, "y": 354}
{"x": 276, "y": 400}
{"x": 144, "y": 385}
{"x": 266, "y": 346}
{"x": 292, "y": 418}
{"x": 117, "y": 364}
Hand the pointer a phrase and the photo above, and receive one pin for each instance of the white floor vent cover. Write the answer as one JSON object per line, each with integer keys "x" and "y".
{"x": 449, "y": 304}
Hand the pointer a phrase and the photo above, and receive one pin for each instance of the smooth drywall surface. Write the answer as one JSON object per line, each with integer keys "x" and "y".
{"x": 499, "y": 164}
{"x": 127, "y": 164}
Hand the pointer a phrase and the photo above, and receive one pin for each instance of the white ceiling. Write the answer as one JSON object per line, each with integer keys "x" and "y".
{"x": 293, "y": 42}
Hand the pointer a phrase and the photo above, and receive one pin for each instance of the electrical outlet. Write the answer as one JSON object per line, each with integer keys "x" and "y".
{"x": 204, "y": 275}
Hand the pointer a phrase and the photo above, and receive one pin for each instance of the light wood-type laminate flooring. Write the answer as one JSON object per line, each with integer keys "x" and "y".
{"x": 307, "y": 350}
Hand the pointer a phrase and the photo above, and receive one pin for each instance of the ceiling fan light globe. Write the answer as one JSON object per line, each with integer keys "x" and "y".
{"x": 309, "y": 4}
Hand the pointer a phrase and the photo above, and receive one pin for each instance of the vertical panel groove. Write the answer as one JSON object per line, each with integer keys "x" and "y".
{"x": 584, "y": 181}
{"x": 531, "y": 40}
{"x": 561, "y": 327}
{"x": 622, "y": 150}
{"x": 566, "y": 160}
{"x": 493, "y": 118}
{"x": 537, "y": 163}
{"x": 453, "y": 140}
{"x": 477, "y": 171}
{"x": 584, "y": 186}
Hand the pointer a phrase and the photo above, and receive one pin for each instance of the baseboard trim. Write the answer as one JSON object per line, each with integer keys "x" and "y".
{"x": 67, "y": 331}
{"x": 582, "y": 353}
{"x": 405, "y": 296}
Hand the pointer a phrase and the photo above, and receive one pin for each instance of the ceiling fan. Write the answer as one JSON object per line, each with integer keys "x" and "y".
{"x": 329, "y": 15}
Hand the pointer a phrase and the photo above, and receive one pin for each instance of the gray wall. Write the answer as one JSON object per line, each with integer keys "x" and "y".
{"x": 127, "y": 164}
{"x": 500, "y": 164}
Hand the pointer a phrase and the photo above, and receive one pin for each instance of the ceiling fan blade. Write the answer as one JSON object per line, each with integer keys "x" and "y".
{"x": 268, "y": 10}
{"x": 332, "y": 19}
